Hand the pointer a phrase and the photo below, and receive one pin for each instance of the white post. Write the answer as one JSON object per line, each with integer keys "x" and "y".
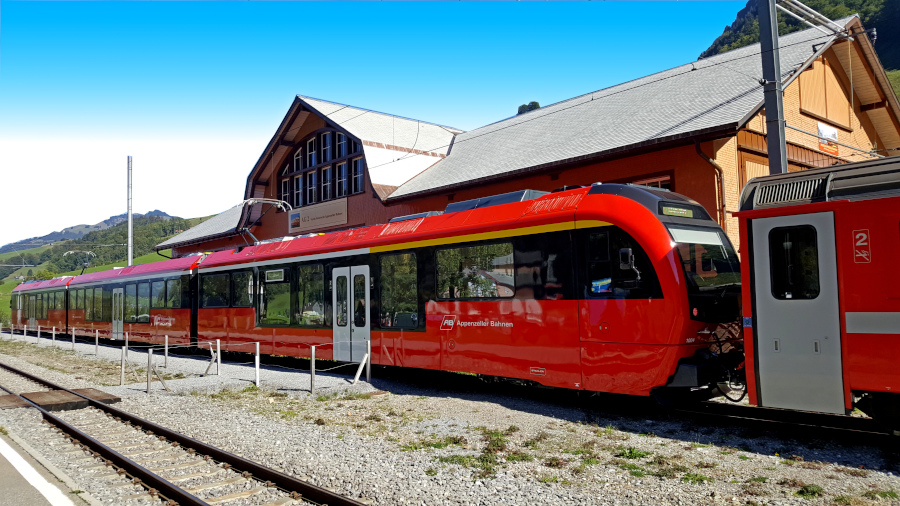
{"x": 369, "y": 362}
{"x": 126, "y": 346}
{"x": 218, "y": 357}
{"x": 73, "y": 333}
{"x": 122, "y": 369}
{"x": 166, "y": 361}
{"x": 38, "y": 339}
{"x": 257, "y": 365}
{"x": 312, "y": 370}
{"x": 53, "y": 337}
{"x": 73, "y": 339}
{"x": 96, "y": 341}
{"x": 149, "y": 368}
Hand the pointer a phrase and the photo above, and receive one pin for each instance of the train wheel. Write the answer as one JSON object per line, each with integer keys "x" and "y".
{"x": 884, "y": 408}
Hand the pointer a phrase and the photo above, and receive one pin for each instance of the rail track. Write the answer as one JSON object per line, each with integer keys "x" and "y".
{"x": 170, "y": 466}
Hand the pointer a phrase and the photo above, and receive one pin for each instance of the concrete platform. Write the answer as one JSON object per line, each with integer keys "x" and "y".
{"x": 99, "y": 395}
{"x": 56, "y": 400}
{"x": 10, "y": 401}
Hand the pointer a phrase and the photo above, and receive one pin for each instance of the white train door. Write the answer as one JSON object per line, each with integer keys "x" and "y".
{"x": 797, "y": 326}
{"x": 350, "y": 303}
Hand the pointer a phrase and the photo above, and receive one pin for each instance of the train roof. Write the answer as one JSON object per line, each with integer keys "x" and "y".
{"x": 57, "y": 283}
{"x": 862, "y": 180}
{"x": 174, "y": 266}
{"x": 480, "y": 219}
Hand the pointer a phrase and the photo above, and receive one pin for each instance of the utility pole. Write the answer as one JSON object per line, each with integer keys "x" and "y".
{"x": 772, "y": 86}
{"x": 130, "y": 221}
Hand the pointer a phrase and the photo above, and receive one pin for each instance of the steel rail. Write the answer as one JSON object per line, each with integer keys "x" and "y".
{"x": 155, "y": 483}
{"x": 837, "y": 426}
{"x": 308, "y": 491}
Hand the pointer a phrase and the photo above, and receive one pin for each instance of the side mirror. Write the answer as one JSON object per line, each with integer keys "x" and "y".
{"x": 626, "y": 259}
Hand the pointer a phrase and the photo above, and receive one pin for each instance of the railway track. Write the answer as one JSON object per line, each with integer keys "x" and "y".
{"x": 170, "y": 466}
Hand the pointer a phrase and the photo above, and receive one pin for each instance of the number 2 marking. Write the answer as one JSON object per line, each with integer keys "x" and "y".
{"x": 862, "y": 253}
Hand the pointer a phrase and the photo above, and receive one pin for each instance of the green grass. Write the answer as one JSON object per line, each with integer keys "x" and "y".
{"x": 882, "y": 494}
{"x": 809, "y": 491}
{"x": 632, "y": 453}
{"x": 695, "y": 479}
{"x": 894, "y": 78}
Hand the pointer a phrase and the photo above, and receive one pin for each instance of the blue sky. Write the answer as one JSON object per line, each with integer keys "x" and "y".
{"x": 194, "y": 90}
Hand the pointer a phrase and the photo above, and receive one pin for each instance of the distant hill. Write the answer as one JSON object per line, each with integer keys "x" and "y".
{"x": 107, "y": 245}
{"x": 77, "y": 231}
{"x": 882, "y": 15}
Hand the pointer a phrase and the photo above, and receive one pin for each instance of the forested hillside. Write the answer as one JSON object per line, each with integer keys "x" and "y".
{"x": 883, "y": 15}
{"x": 108, "y": 245}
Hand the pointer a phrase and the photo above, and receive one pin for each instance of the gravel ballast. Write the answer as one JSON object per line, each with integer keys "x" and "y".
{"x": 393, "y": 442}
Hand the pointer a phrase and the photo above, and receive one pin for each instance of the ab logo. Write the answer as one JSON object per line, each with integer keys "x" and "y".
{"x": 448, "y": 322}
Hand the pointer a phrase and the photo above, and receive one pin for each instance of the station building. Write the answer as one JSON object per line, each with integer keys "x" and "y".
{"x": 697, "y": 129}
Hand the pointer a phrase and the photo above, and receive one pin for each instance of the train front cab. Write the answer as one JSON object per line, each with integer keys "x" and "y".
{"x": 666, "y": 323}
{"x": 821, "y": 323}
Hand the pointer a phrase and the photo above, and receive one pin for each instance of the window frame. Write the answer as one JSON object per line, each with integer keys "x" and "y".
{"x": 153, "y": 299}
{"x": 437, "y": 275}
{"x": 232, "y": 295}
{"x": 311, "y": 152}
{"x": 202, "y": 302}
{"x": 326, "y": 176}
{"x": 298, "y": 160}
{"x": 298, "y": 191}
{"x": 326, "y": 306}
{"x": 417, "y": 297}
{"x": 341, "y": 185}
{"x": 325, "y": 147}
{"x": 356, "y": 164}
{"x": 311, "y": 186}
{"x": 340, "y": 145}
{"x": 262, "y": 280}
{"x": 772, "y": 270}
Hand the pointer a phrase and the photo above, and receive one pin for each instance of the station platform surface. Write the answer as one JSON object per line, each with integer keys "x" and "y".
{"x": 25, "y": 482}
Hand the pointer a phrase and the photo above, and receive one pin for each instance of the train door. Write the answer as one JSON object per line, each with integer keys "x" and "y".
{"x": 797, "y": 327}
{"x": 351, "y": 312}
{"x": 32, "y": 311}
{"x": 118, "y": 312}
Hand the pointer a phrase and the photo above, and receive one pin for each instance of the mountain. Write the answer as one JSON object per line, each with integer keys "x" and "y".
{"x": 77, "y": 231}
{"x": 882, "y": 15}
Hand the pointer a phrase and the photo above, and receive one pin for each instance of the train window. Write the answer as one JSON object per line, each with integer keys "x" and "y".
{"x": 106, "y": 304}
{"x": 130, "y": 303}
{"x": 79, "y": 298}
{"x": 481, "y": 271}
{"x": 88, "y": 304}
{"x": 794, "y": 261}
{"x": 39, "y": 306}
{"x": 98, "y": 304}
{"x": 340, "y": 312}
{"x": 143, "y": 303}
{"x": 609, "y": 277}
{"x": 214, "y": 290}
{"x": 158, "y": 294}
{"x": 242, "y": 289}
{"x": 399, "y": 292}
{"x": 707, "y": 258}
{"x": 275, "y": 298}
{"x": 173, "y": 293}
{"x": 359, "y": 289}
{"x": 311, "y": 295}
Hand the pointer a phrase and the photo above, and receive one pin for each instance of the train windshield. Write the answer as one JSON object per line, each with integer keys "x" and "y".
{"x": 707, "y": 257}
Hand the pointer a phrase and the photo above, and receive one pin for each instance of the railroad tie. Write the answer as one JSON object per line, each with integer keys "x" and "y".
{"x": 237, "y": 495}
{"x": 176, "y": 479}
{"x": 217, "y": 484}
{"x": 178, "y": 466}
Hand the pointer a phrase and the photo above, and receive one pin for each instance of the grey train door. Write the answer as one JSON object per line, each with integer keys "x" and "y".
{"x": 797, "y": 326}
{"x": 118, "y": 313}
{"x": 351, "y": 312}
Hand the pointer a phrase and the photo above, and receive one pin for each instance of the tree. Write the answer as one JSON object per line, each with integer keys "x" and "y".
{"x": 530, "y": 106}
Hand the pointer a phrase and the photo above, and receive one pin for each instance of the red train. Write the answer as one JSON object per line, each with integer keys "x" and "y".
{"x": 610, "y": 288}
{"x": 821, "y": 298}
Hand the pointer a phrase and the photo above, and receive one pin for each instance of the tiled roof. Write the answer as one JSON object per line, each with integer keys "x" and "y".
{"x": 714, "y": 94}
{"x": 222, "y": 224}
